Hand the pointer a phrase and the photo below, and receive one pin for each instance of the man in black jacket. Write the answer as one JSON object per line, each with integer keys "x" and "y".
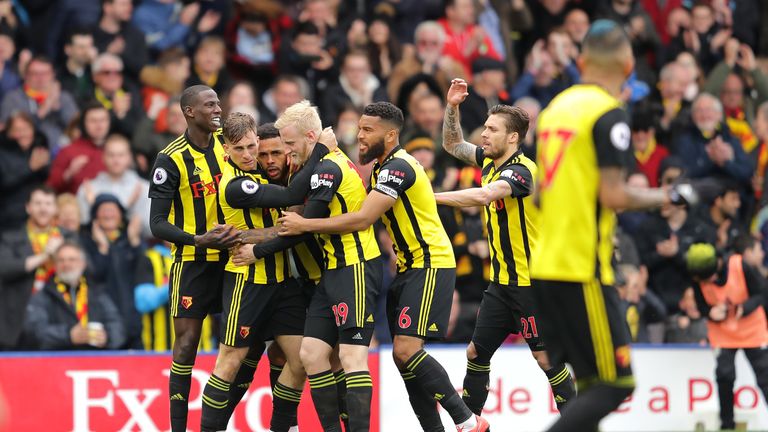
{"x": 26, "y": 263}
{"x": 72, "y": 312}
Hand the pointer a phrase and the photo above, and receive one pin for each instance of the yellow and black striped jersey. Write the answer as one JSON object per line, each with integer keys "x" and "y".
{"x": 582, "y": 130}
{"x": 309, "y": 259}
{"x": 413, "y": 224}
{"x": 337, "y": 182}
{"x": 189, "y": 176}
{"x": 511, "y": 228}
{"x": 236, "y": 187}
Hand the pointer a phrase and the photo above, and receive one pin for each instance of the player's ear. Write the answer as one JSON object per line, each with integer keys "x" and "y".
{"x": 514, "y": 138}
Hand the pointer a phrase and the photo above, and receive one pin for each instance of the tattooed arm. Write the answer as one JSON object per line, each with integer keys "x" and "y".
{"x": 259, "y": 235}
{"x": 453, "y": 138}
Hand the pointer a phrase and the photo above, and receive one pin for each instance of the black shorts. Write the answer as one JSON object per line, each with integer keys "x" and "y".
{"x": 341, "y": 310}
{"x": 255, "y": 312}
{"x": 419, "y": 302}
{"x": 195, "y": 288}
{"x": 583, "y": 326}
{"x": 507, "y": 309}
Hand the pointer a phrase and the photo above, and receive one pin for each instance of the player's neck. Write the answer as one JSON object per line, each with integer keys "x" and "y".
{"x": 511, "y": 150}
{"x": 609, "y": 82}
{"x": 387, "y": 150}
{"x": 199, "y": 137}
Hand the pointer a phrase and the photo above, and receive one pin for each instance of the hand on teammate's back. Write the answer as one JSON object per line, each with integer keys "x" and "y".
{"x": 219, "y": 237}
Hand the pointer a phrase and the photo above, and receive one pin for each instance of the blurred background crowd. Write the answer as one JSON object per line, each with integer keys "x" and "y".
{"x": 89, "y": 94}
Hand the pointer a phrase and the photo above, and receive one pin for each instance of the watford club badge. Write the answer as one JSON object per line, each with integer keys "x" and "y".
{"x": 244, "y": 331}
{"x": 186, "y": 301}
{"x": 622, "y": 356}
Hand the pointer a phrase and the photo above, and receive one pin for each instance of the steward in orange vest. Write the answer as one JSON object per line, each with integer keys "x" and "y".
{"x": 729, "y": 293}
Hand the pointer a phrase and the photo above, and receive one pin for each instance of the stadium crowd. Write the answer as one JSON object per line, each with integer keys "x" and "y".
{"x": 86, "y": 105}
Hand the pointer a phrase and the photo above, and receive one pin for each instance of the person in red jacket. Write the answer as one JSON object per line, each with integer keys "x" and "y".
{"x": 83, "y": 158}
{"x": 648, "y": 153}
{"x": 730, "y": 293}
{"x": 464, "y": 39}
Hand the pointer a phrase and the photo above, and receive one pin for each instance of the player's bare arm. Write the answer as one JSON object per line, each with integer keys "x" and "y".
{"x": 475, "y": 197}
{"x": 453, "y": 137}
{"x": 258, "y": 235}
{"x": 375, "y": 205}
{"x": 615, "y": 194}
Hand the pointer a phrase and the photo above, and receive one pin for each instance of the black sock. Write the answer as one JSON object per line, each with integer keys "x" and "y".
{"x": 285, "y": 402}
{"x": 274, "y": 373}
{"x": 215, "y": 401}
{"x": 178, "y": 391}
{"x": 725, "y": 396}
{"x": 562, "y": 385}
{"x": 476, "y": 385}
{"x": 241, "y": 384}
{"x": 341, "y": 394}
{"x": 585, "y": 412}
{"x": 323, "y": 389}
{"x": 433, "y": 378}
{"x": 359, "y": 394}
{"x": 424, "y": 406}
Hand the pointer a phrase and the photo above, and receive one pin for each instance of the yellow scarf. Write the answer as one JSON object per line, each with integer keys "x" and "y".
{"x": 212, "y": 79}
{"x": 81, "y": 302}
{"x": 643, "y": 156}
{"x": 741, "y": 130}
{"x": 104, "y": 100}
{"x": 38, "y": 240}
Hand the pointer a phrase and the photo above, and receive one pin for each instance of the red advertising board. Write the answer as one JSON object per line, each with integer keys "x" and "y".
{"x": 125, "y": 392}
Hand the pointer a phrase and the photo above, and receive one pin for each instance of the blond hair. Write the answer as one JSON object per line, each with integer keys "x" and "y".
{"x": 303, "y": 116}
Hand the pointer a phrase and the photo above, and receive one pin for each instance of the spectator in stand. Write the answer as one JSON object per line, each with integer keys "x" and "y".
{"x": 208, "y": 65}
{"x": 704, "y": 38}
{"x": 540, "y": 79}
{"x": 346, "y": 133}
{"x": 304, "y": 56}
{"x": 742, "y": 18}
{"x": 672, "y": 109}
{"x": 576, "y": 25}
{"x": 75, "y": 73}
{"x": 759, "y": 155}
{"x": 722, "y": 216}
{"x": 321, "y": 13}
{"x": 709, "y": 149}
{"x": 9, "y": 74}
{"x": 639, "y": 26}
{"x": 739, "y": 101}
{"x": 72, "y": 312}
{"x": 533, "y": 108}
{"x": 153, "y": 136}
{"x": 113, "y": 246}
{"x": 648, "y": 153}
{"x": 24, "y": 163}
{"x": 42, "y": 98}
{"x": 415, "y": 88}
{"x": 729, "y": 292}
{"x": 122, "y": 100}
{"x": 427, "y": 118}
{"x": 171, "y": 23}
{"x": 427, "y": 58}
{"x": 83, "y": 158}
{"x": 384, "y": 50}
{"x": 678, "y": 21}
{"x": 116, "y": 35}
{"x": 662, "y": 240}
{"x": 151, "y": 297}
{"x": 547, "y": 16}
{"x": 26, "y": 262}
{"x": 241, "y": 95}
{"x": 687, "y": 326}
{"x": 751, "y": 250}
{"x": 68, "y": 14}
{"x": 488, "y": 88}
{"x": 69, "y": 213}
{"x": 251, "y": 42}
{"x": 464, "y": 39}
{"x": 285, "y": 91}
{"x": 514, "y": 18}
{"x": 120, "y": 180}
{"x": 660, "y": 12}
{"x": 163, "y": 82}
{"x": 640, "y": 306}
{"x": 693, "y": 76}
{"x": 356, "y": 86}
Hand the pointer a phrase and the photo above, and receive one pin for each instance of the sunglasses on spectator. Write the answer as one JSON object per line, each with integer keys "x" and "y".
{"x": 110, "y": 72}
{"x": 428, "y": 43}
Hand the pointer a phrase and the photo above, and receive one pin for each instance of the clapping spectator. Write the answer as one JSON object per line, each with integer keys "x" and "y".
{"x": 465, "y": 40}
{"x": 120, "y": 180}
{"x": 687, "y": 325}
{"x": 649, "y": 153}
{"x": 208, "y": 65}
{"x": 24, "y": 163}
{"x": 119, "y": 98}
{"x": 356, "y": 86}
{"x": 488, "y": 88}
{"x": 705, "y": 38}
{"x": 540, "y": 79}
{"x": 640, "y": 306}
{"x": 639, "y": 27}
{"x": 83, "y": 158}
{"x": 69, "y": 213}
{"x": 154, "y": 135}
{"x": 72, "y": 311}
{"x": 576, "y": 26}
{"x": 75, "y": 75}
{"x": 164, "y": 81}
{"x": 26, "y": 263}
{"x": 169, "y": 23}
{"x": 116, "y": 35}
{"x": 42, "y": 98}
{"x": 672, "y": 109}
{"x": 722, "y": 216}
{"x": 304, "y": 56}
{"x": 113, "y": 246}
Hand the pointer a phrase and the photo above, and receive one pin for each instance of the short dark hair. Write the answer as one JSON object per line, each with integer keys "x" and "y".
{"x": 189, "y": 94}
{"x": 517, "y": 119}
{"x": 744, "y": 242}
{"x": 77, "y": 31}
{"x": 92, "y": 105}
{"x": 604, "y": 40}
{"x": 171, "y": 56}
{"x": 38, "y": 58}
{"x": 44, "y": 189}
{"x": 267, "y": 131}
{"x": 305, "y": 27}
{"x": 237, "y": 125}
{"x": 387, "y": 112}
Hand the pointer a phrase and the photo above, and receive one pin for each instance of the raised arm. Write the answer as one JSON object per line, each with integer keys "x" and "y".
{"x": 453, "y": 137}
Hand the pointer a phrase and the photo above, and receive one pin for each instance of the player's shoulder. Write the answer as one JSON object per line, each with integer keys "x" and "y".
{"x": 176, "y": 146}
{"x": 524, "y": 161}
